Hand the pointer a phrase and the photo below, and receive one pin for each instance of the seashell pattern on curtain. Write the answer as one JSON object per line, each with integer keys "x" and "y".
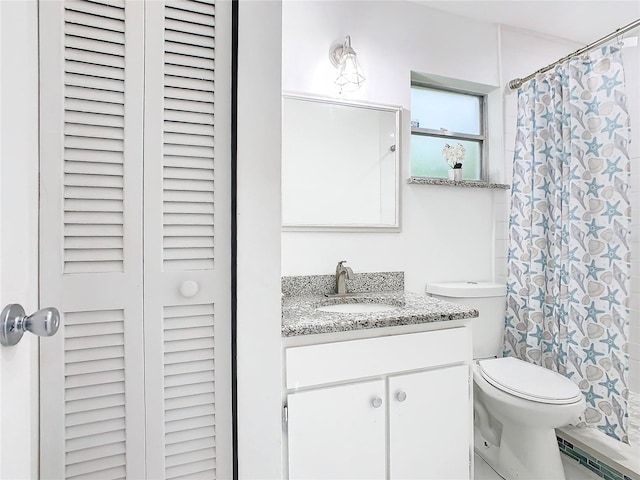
{"x": 568, "y": 259}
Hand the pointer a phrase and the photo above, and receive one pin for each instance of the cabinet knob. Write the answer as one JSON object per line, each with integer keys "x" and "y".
{"x": 401, "y": 396}
{"x": 376, "y": 402}
{"x": 188, "y": 288}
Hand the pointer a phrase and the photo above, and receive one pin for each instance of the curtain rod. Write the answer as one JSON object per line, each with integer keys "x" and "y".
{"x": 517, "y": 82}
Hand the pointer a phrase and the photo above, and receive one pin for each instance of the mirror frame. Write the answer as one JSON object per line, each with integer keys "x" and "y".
{"x": 397, "y": 111}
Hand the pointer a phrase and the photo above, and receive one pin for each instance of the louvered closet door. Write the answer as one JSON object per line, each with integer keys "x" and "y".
{"x": 137, "y": 382}
{"x": 187, "y": 240}
{"x": 92, "y": 411}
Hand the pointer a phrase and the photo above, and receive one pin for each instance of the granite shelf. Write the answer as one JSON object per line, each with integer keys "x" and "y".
{"x": 454, "y": 183}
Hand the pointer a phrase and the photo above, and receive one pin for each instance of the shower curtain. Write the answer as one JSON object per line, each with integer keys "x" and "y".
{"x": 568, "y": 258}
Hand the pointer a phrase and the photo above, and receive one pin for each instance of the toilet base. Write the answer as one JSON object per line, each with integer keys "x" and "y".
{"x": 485, "y": 450}
{"x": 532, "y": 456}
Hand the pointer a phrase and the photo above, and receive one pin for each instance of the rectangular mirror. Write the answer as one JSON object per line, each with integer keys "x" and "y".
{"x": 340, "y": 164}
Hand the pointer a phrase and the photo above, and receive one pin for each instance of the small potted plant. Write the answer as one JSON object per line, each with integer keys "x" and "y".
{"x": 454, "y": 157}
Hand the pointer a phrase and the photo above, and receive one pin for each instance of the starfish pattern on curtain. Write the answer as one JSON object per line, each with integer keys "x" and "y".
{"x": 568, "y": 259}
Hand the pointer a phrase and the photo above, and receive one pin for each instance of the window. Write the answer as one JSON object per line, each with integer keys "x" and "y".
{"x": 439, "y": 117}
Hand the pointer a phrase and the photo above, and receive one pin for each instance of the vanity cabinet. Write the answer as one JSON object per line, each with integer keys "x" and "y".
{"x": 429, "y": 429}
{"x": 388, "y": 407}
{"x": 338, "y": 432}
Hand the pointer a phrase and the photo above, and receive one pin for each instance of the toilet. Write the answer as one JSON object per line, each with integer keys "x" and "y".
{"x": 517, "y": 405}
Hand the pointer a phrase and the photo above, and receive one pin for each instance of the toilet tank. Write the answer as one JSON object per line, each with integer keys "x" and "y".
{"x": 486, "y": 297}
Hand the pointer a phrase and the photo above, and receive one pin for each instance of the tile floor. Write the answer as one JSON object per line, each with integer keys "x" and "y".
{"x": 634, "y": 418}
{"x": 572, "y": 469}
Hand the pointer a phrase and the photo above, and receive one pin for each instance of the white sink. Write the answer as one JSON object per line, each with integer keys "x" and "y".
{"x": 357, "y": 308}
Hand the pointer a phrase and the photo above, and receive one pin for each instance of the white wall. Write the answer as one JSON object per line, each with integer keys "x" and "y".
{"x": 19, "y": 233}
{"x": 259, "y": 339}
{"x": 631, "y": 57}
{"x": 447, "y": 232}
{"x": 521, "y": 53}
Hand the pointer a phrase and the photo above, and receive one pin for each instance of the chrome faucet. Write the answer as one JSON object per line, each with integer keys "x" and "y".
{"x": 342, "y": 274}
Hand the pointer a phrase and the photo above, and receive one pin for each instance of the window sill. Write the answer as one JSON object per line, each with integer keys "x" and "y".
{"x": 454, "y": 183}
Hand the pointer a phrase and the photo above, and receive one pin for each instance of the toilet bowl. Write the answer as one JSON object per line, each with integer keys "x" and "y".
{"x": 529, "y": 402}
{"x": 517, "y": 405}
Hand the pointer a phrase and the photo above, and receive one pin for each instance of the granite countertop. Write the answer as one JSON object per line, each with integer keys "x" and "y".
{"x": 300, "y": 317}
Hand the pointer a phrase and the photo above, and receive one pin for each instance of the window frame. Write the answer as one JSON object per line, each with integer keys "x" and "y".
{"x": 442, "y": 133}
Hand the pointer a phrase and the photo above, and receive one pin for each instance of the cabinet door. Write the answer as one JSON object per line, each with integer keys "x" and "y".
{"x": 338, "y": 432}
{"x": 430, "y": 424}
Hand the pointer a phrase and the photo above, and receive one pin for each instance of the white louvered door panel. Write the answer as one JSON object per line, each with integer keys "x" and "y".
{"x": 92, "y": 395}
{"x": 187, "y": 225}
{"x": 115, "y": 403}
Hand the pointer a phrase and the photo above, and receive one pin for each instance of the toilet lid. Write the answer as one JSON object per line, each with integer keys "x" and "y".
{"x": 529, "y": 381}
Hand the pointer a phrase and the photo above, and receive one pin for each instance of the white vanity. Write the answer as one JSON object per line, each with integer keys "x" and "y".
{"x": 384, "y": 395}
{"x": 375, "y": 385}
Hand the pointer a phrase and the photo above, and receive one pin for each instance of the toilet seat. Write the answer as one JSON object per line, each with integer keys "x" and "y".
{"x": 529, "y": 381}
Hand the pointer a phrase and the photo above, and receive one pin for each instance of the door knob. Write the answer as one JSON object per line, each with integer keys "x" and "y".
{"x": 376, "y": 402}
{"x": 14, "y": 322}
{"x": 401, "y": 396}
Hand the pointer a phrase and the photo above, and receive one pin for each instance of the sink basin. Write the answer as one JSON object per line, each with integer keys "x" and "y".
{"x": 357, "y": 308}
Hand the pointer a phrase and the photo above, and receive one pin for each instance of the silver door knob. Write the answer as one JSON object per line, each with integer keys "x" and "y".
{"x": 14, "y": 322}
{"x": 401, "y": 396}
{"x": 376, "y": 402}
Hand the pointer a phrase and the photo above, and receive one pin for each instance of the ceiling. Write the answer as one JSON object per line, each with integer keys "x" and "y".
{"x": 583, "y": 21}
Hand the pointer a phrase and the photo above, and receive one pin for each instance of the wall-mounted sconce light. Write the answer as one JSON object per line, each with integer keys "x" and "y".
{"x": 350, "y": 76}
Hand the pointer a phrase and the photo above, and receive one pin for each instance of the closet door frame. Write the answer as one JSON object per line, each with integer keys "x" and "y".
{"x": 19, "y": 234}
